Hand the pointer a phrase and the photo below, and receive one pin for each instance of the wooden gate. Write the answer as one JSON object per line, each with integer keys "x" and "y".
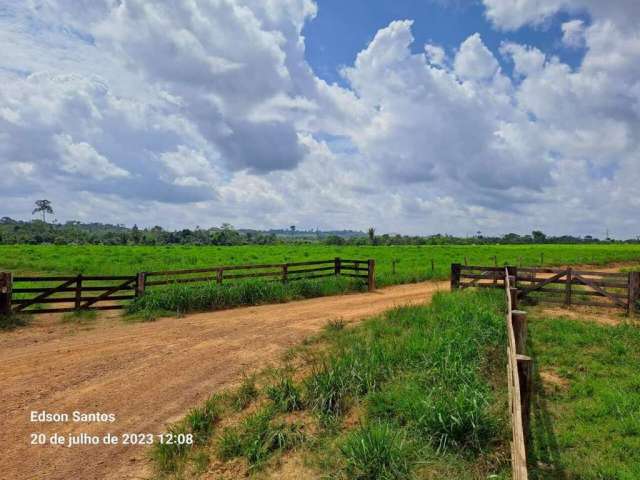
{"x": 577, "y": 287}
{"x": 565, "y": 286}
{"x": 35, "y": 294}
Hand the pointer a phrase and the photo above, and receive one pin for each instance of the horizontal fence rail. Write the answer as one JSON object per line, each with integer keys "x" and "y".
{"x": 565, "y": 286}
{"x": 32, "y": 294}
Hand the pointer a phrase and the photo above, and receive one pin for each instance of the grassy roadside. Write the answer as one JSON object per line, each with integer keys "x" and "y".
{"x": 179, "y": 298}
{"x": 416, "y": 393}
{"x": 586, "y": 412}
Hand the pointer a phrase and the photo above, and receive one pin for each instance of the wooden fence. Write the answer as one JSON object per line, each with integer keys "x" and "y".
{"x": 32, "y": 294}
{"x": 519, "y": 366}
{"x": 519, "y": 378}
{"x": 565, "y": 286}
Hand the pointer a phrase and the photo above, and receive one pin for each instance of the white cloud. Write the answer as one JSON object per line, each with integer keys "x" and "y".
{"x": 474, "y": 60}
{"x": 212, "y": 104}
{"x": 573, "y": 33}
{"x": 82, "y": 159}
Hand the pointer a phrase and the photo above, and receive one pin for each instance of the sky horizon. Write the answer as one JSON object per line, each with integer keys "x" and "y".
{"x": 412, "y": 116}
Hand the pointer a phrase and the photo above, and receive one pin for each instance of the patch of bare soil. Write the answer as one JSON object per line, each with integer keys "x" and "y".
{"x": 552, "y": 382}
{"x": 601, "y": 315}
{"x": 147, "y": 374}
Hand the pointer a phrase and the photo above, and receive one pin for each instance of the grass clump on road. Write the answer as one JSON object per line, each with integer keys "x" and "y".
{"x": 418, "y": 392}
{"x": 180, "y": 298}
{"x": 13, "y": 321}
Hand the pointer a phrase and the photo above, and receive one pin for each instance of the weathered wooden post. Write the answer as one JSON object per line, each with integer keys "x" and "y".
{"x": 371, "y": 275}
{"x": 337, "y": 266}
{"x": 219, "y": 276}
{"x": 495, "y": 273}
{"x": 433, "y": 267}
{"x": 634, "y": 292}
{"x": 525, "y": 375}
{"x": 78, "y": 298}
{"x": 567, "y": 287}
{"x": 466, "y": 261}
{"x": 393, "y": 266}
{"x": 141, "y": 280}
{"x": 6, "y": 292}
{"x": 513, "y": 286}
{"x": 519, "y": 322}
{"x": 455, "y": 276}
{"x": 285, "y": 272}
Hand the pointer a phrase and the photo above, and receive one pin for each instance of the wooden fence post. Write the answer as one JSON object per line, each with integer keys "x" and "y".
{"x": 433, "y": 267}
{"x": 567, "y": 287}
{"x": 6, "y": 292}
{"x": 285, "y": 272}
{"x": 78, "y": 298}
{"x": 337, "y": 266}
{"x": 513, "y": 284}
{"x": 519, "y": 322}
{"x": 141, "y": 279}
{"x": 455, "y": 276}
{"x": 634, "y": 292}
{"x": 393, "y": 266}
{"x": 466, "y": 261}
{"x": 219, "y": 276}
{"x": 525, "y": 375}
{"x": 371, "y": 275}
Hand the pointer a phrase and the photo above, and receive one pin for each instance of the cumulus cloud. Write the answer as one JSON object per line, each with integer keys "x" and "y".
{"x": 573, "y": 33}
{"x": 207, "y": 111}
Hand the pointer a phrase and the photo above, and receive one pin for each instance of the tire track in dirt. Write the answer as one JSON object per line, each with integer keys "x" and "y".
{"x": 147, "y": 374}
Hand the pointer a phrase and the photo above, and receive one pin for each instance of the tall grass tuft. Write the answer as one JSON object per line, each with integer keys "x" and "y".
{"x": 285, "y": 395}
{"x": 377, "y": 451}
{"x": 258, "y": 437}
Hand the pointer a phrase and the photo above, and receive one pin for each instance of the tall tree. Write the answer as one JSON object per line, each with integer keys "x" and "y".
{"x": 43, "y": 206}
{"x": 372, "y": 235}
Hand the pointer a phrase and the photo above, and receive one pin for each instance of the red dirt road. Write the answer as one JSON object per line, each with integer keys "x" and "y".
{"x": 147, "y": 375}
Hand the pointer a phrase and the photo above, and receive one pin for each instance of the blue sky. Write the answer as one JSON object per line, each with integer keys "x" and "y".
{"x": 341, "y": 29}
{"x": 257, "y": 113}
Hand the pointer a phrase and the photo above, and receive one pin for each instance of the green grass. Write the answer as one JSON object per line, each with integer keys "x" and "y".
{"x": 13, "y": 321}
{"x": 179, "y": 298}
{"x": 377, "y": 451}
{"x": 80, "y": 316}
{"x": 418, "y": 392}
{"x": 258, "y": 437}
{"x": 246, "y": 393}
{"x": 414, "y": 262}
{"x": 586, "y": 424}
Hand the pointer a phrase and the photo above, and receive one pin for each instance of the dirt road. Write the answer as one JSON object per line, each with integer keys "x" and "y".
{"x": 147, "y": 375}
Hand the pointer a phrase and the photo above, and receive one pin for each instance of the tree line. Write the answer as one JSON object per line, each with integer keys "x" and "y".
{"x": 74, "y": 232}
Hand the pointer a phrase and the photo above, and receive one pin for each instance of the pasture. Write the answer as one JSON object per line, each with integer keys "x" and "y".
{"x": 412, "y": 263}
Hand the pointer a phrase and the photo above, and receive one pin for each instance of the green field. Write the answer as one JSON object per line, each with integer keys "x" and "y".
{"x": 413, "y": 262}
{"x": 586, "y": 407}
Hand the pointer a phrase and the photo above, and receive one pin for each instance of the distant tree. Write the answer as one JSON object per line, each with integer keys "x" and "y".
{"x": 293, "y": 229}
{"x": 371, "y": 233}
{"x": 538, "y": 236}
{"x": 135, "y": 234}
{"x": 43, "y": 206}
